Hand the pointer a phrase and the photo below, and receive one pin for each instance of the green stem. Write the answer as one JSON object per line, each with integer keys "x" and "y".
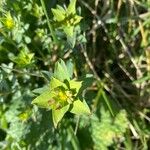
{"x": 77, "y": 125}
{"x": 22, "y": 72}
{"x": 48, "y": 22}
{"x": 8, "y": 39}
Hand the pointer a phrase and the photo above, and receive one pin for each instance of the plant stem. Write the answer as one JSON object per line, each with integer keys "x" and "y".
{"x": 48, "y": 22}
{"x": 8, "y": 39}
{"x": 77, "y": 125}
{"x": 22, "y": 72}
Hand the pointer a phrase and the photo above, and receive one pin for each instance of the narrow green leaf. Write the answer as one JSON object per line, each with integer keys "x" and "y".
{"x": 141, "y": 80}
{"x": 80, "y": 108}
{"x": 73, "y": 138}
{"x": 43, "y": 99}
{"x": 107, "y": 101}
{"x": 58, "y": 114}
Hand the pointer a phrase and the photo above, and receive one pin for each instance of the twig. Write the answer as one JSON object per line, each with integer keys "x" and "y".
{"x": 126, "y": 72}
{"x": 89, "y": 63}
{"x": 126, "y": 49}
{"x": 144, "y": 116}
{"x": 21, "y": 72}
{"x": 96, "y": 5}
{"x": 144, "y": 36}
{"x": 135, "y": 134}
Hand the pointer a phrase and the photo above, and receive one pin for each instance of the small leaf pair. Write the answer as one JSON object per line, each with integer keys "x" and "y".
{"x": 62, "y": 94}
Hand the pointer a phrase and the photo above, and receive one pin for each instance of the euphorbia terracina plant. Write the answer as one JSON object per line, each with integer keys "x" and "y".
{"x": 66, "y": 19}
{"x": 62, "y": 94}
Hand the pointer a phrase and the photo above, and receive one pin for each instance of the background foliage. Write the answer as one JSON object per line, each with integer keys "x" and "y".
{"x": 110, "y": 46}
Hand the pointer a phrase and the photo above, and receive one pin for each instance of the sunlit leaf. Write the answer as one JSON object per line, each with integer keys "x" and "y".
{"x": 77, "y": 19}
{"x": 80, "y": 108}
{"x": 75, "y": 85}
{"x": 60, "y": 71}
{"x": 23, "y": 59}
{"x": 72, "y": 7}
{"x": 40, "y": 90}
{"x": 58, "y": 114}
{"x": 58, "y": 14}
{"x": 43, "y": 99}
{"x": 56, "y": 83}
{"x": 61, "y": 8}
{"x": 69, "y": 30}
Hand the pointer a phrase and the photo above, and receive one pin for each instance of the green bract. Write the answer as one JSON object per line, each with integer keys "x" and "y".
{"x": 8, "y": 21}
{"x": 62, "y": 94}
{"x": 66, "y": 18}
{"x": 23, "y": 59}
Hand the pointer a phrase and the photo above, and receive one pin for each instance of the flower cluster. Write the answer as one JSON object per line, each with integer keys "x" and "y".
{"x": 8, "y": 21}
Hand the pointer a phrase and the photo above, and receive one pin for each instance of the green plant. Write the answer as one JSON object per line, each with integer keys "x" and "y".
{"x": 105, "y": 63}
{"x": 62, "y": 94}
{"x": 107, "y": 130}
{"x": 66, "y": 18}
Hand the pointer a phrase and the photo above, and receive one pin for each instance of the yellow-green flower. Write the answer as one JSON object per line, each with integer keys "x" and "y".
{"x": 66, "y": 19}
{"x": 8, "y": 21}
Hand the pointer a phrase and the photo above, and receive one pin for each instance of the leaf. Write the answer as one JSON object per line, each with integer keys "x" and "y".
{"x": 40, "y": 90}
{"x": 71, "y": 40}
{"x": 80, "y": 108}
{"x": 42, "y": 100}
{"x": 60, "y": 71}
{"x": 24, "y": 58}
{"x": 54, "y": 83}
{"x": 106, "y": 130}
{"x": 27, "y": 39}
{"x": 77, "y": 19}
{"x": 72, "y": 7}
{"x": 58, "y": 114}
{"x": 68, "y": 30}
{"x": 75, "y": 85}
{"x": 58, "y": 14}
{"x": 141, "y": 80}
{"x": 70, "y": 67}
{"x": 107, "y": 101}
{"x": 121, "y": 122}
{"x": 61, "y": 8}
{"x": 46, "y": 74}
